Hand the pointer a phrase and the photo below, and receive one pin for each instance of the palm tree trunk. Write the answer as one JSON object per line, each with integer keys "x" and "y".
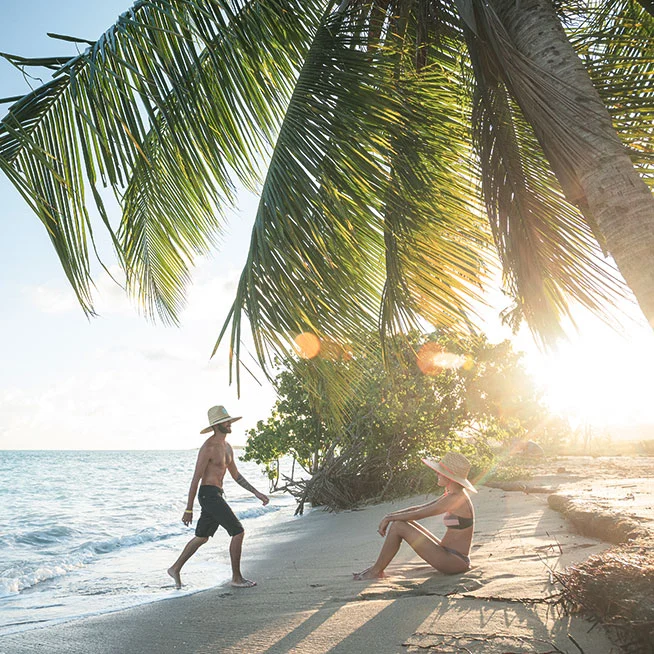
{"x": 615, "y": 195}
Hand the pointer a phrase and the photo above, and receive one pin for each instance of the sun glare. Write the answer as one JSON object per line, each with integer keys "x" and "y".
{"x": 433, "y": 358}
{"x": 601, "y": 379}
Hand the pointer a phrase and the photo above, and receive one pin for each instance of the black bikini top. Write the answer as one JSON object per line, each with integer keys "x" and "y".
{"x": 452, "y": 521}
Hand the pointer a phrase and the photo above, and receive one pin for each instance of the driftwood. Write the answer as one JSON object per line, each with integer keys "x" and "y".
{"x": 615, "y": 589}
{"x": 350, "y": 478}
{"x": 518, "y": 486}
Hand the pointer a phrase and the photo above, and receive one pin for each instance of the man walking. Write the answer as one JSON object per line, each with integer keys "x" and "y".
{"x": 214, "y": 459}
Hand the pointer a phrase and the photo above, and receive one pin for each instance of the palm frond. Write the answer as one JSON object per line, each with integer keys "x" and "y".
{"x": 647, "y": 5}
{"x": 317, "y": 227}
{"x": 549, "y": 251}
{"x": 354, "y": 208}
{"x": 436, "y": 239}
{"x": 616, "y": 43}
{"x": 196, "y": 85}
{"x": 240, "y": 117}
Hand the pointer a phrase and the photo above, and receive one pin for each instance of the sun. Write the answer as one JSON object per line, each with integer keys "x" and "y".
{"x": 599, "y": 378}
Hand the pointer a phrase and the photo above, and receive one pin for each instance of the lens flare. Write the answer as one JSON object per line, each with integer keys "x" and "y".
{"x": 433, "y": 358}
{"x": 307, "y": 345}
{"x": 427, "y": 356}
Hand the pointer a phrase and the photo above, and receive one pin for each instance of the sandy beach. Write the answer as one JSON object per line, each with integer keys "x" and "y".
{"x": 306, "y": 600}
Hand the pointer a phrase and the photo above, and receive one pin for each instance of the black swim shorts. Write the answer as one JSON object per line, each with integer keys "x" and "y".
{"x": 215, "y": 513}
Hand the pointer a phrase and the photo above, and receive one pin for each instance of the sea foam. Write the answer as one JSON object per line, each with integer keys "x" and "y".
{"x": 103, "y": 528}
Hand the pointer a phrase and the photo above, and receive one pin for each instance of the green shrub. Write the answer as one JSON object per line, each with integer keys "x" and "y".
{"x": 398, "y": 412}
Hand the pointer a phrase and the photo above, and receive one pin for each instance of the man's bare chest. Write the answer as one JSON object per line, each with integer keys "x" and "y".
{"x": 219, "y": 460}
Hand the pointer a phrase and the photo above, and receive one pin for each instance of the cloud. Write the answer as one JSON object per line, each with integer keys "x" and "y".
{"x": 122, "y": 399}
{"x": 210, "y": 297}
{"x": 160, "y": 355}
{"x": 109, "y": 297}
{"x": 49, "y": 299}
{"x": 120, "y": 382}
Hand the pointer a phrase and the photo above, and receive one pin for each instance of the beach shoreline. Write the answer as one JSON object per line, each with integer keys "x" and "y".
{"x": 306, "y": 600}
{"x": 77, "y": 550}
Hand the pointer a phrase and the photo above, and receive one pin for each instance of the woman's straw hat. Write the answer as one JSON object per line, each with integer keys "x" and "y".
{"x": 454, "y": 466}
{"x": 218, "y": 415}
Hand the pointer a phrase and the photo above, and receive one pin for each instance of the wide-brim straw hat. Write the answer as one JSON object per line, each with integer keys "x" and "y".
{"x": 454, "y": 466}
{"x": 218, "y": 415}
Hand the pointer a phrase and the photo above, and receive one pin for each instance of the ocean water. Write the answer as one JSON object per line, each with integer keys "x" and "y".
{"x": 83, "y": 533}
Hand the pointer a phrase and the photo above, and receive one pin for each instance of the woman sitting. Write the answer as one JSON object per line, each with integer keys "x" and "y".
{"x": 448, "y": 555}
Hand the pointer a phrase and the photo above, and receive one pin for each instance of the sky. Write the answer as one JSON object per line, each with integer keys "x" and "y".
{"x": 120, "y": 382}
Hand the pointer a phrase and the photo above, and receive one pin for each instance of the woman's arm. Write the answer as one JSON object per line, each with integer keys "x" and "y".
{"x": 411, "y": 508}
{"x": 410, "y": 512}
{"x": 420, "y": 512}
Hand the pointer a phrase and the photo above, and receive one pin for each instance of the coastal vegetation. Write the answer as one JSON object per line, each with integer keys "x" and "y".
{"x": 409, "y": 155}
{"x": 435, "y": 394}
{"x": 399, "y": 139}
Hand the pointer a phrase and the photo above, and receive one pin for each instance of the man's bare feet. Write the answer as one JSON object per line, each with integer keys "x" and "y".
{"x": 242, "y": 583}
{"x": 176, "y": 578}
{"x": 368, "y": 573}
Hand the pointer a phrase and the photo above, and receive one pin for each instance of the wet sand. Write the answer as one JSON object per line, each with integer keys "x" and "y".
{"x": 306, "y": 601}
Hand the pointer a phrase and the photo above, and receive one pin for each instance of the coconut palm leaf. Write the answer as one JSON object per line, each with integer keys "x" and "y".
{"x": 317, "y": 227}
{"x": 367, "y": 215}
{"x": 435, "y": 245}
{"x": 549, "y": 250}
{"x": 647, "y": 5}
{"x": 209, "y": 78}
{"x": 367, "y": 196}
{"x": 164, "y": 189}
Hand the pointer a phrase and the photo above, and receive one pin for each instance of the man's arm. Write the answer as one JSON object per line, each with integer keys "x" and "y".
{"x": 200, "y": 467}
{"x": 243, "y": 482}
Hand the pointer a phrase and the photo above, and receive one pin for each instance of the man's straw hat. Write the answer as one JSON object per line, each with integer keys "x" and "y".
{"x": 454, "y": 466}
{"x": 218, "y": 415}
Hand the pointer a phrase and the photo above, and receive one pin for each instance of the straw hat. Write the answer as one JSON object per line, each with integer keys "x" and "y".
{"x": 454, "y": 466}
{"x": 218, "y": 415}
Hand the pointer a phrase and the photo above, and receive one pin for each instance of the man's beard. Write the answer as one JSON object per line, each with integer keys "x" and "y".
{"x": 224, "y": 429}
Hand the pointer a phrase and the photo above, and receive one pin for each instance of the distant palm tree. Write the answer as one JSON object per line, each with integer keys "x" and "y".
{"x": 382, "y": 120}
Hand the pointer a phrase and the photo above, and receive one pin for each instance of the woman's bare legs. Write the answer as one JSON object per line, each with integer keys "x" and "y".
{"x": 424, "y": 531}
{"x": 423, "y": 543}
